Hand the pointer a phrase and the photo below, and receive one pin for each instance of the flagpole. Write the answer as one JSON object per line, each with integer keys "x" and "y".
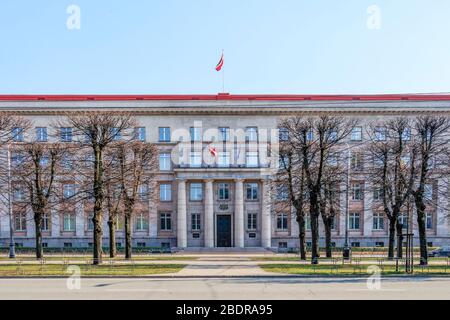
{"x": 223, "y": 74}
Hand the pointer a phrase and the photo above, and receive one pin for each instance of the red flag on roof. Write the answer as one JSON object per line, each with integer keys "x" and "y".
{"x": 220, "y": 64}
{"x": 213, "y": 151}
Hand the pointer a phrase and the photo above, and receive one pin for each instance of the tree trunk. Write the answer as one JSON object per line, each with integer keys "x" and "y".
{"x": 423, "y": 237}
{"x": 315, "y": 239}
{"x": 392, "y": 228}
{"x": 328, "y": 247}
{"x": 98, "y": 205}
{"x": 399, "y": 241}
{"x": 302, "y": 236}
{"x": 38, "y": 231}
{"x": 128, "y": 247}
{"x": 112, "y": 238}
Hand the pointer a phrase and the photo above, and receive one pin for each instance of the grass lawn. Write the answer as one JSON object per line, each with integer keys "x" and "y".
{"x": 363, "y": 258}
{"x": 106, "y": 258}
{"x": 347, "y": 270}
{"x": 89, "y": 270}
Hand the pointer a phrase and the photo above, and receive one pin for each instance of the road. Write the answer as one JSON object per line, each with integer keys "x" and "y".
{"x": 224, "y": 289}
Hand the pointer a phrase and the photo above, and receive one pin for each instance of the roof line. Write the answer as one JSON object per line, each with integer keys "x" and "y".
{"x": 230, "y": 97}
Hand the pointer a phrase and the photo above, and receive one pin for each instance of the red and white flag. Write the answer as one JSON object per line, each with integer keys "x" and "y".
{"x": 213, "y": 151}
{"x": 220, "y": 64}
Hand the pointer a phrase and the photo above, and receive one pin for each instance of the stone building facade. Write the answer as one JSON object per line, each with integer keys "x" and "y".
{"x": 213, "y": 181}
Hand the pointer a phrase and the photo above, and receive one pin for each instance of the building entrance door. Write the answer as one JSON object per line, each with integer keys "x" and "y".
{"x": 223, "y": 231}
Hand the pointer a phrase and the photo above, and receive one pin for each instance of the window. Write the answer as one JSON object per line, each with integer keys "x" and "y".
{"x": 66, "y": 134}
{"x": 354, "y": 221}
{"x": 310, "y": 135}
{"x": 357, "y": 191}
{"x": 356, "y": 244}
{"x": 406, "y": 134}
{"x": 282, "y": 222}
{"x": 143, "y": 192}
{"x": 429, "y": 221}
{"x": 333, "y": 135}
{"x": 332, "y": 160}
{"x": 44, "y": 161}
{"x": 284, "y": 134}
{"x": 69, "y": 222}
{"x": 164, "y": 134}
{"x": 67, "y": 245}
{"x": 251, "y": 221}
{"x": 17, "y": 134}
{"x": 18, "y": 194}
{"x": 251, "y": 134}
{"x": 378, "y": 194}
{"x": 308, "y": 222}
{"x": 380, "y": 134}
{"x": 165, "y": 220}
{"x": 405, "y": 161}
{"x": 41, "y": 134}
{"x": 195, "y": 159}
{"x": 403, "y": 220}
{"x": 141, "y": 222}
{"x": 45, "y": 222}
{"x": 165, "y": 162}
{"x": 67, "y": 163}
{"x": 428, "y": 192}
{"x": 17, "y": 159}
{"x": 252, "y": 191}
{"x": 165, "y": 192}
{"x": 282, "y": 193}
{"x": 90, "y": 222}
{"x": 378, "y": 221}
{"x": 196, "y": 134}
{"x": 116, "y": 134}
{"x": 357, "y": 161}
{"x": 224, "y": 191}
{"x": 224, "y": 159}
{"x": 20, "y": 221}
{"x": 195, "y": 222}
{"x": 140, "y": 134}
{"x": 356, "y": 134}
{"x": 224, "y": 134}
{"x": 68, "y": 191}
{"x": 283, "y": 162}
{"x": 252, "y": 159}
{"x": 379, "y": 244}
{"x": 196, "y": 192}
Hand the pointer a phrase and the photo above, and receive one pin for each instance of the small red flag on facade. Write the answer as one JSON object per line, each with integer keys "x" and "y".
{"x": 220, "y": 64}
{"x": 213, "y": 151}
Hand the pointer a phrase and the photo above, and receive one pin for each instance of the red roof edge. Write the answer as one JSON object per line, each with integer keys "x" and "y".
{"x": 229, "y": 97}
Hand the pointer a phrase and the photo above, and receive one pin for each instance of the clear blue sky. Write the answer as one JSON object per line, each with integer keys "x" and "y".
{"x": 271, "y": 46}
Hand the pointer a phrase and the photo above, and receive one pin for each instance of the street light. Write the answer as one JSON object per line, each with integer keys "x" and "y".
{"x": 347, "y": 250}
{"x": 12, "y": 246}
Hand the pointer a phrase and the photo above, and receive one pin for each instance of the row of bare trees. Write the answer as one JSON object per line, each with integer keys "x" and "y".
{"x": 98, "y": 153}
{"x": 402, "y": 157}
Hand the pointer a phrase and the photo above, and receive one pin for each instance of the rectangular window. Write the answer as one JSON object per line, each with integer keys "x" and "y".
{"x": 380, "y": 134}
{"x": 224, "y": 134}
{"x": 357, "y": 163}
{"x": 428, "y": 192}
{"x": 68, "y": 191}
{"x": 224, "y": 159}
{"x": 195, "y": 222}
{"x": 20, "y": 221}
{"x": 116, "y": 134}
{"x": 403, "y": 220}
{"x": 282, "y": 221}
{"x": 378, "y": 221}
{"x": 310, "y": 135}
{"x": 252, "y": 159}
{"x": 140, "y": 134}
{"x": 357, "y": 191}
{"x": 69, "y": 222}
{"x": 308, "y": 222}
{"x": 41, "y": 134}
{"x": 17, "y": 134}
{"x": 165, "y": 220}
{"x": 252, "y": 222}
{"x": 66, "y": 134}
{"x": 18, "y": 194}
{"x": 378, "y": 194}
{"x": 143, "y": 192}
{"x": 45, "y": 222}
{"x": 282, "y": 193}
{"x": 196, "y": 134}
{"x": 251, "y": 134}
{"x": 165, "y": 192}
{"x": 164, "y": 134}
{"x": 354, "y": 221}
{"x": 252, "y": 191}
{"x": 284, "y": 134}
{"x": 429, "y": 221}
{"x": 141, "y": 222}
{"x": 224, "y": 191}
{"x": 195, "y": 159}
{"x": 406, "y": 134}
{"x": 196, "y": 192}
{"x": 90, "y": 222}
{"x": 356, "y": 134}
{"x": 165, "y": 162}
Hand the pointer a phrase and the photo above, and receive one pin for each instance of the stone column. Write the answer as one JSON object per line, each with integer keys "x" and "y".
{"x": 266, "y": 232}
{"x": 182, "y": 215}
{"x": 209, "y": 214}
{"x": 239, "y": 214}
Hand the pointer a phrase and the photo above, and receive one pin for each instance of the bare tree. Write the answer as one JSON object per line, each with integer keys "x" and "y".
{"x": 137, "y": 166}
{"x": 431, "y": 143}
{"x": 97, "y": 131}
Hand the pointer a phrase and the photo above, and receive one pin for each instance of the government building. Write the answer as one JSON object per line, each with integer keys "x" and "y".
{"x": 217, "y": 155}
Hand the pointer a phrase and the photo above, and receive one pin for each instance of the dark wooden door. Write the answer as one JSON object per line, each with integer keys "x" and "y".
{"x": 224, "y": 231}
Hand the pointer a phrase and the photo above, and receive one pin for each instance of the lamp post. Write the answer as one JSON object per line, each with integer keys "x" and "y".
{"x": 347, "y": 249}
{"x": 12, "y": 246}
